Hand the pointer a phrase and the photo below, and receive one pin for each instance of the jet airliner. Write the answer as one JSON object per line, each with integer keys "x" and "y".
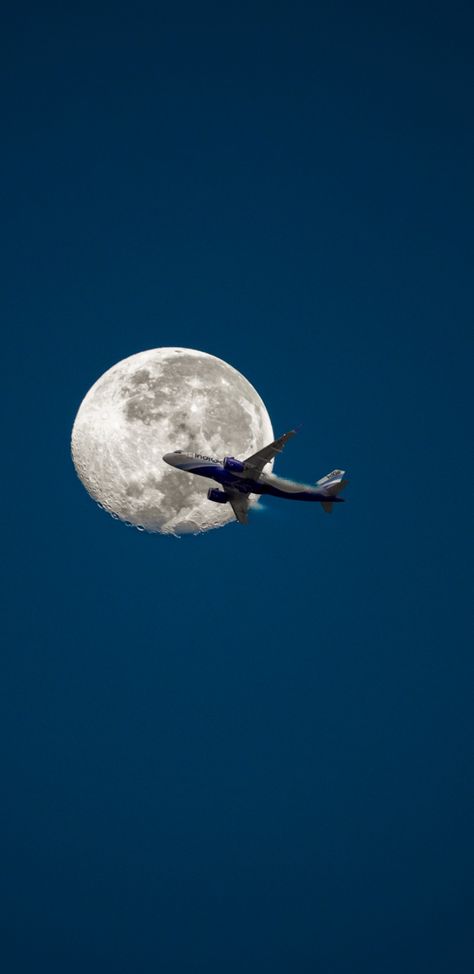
{"x": 240, "y": 478}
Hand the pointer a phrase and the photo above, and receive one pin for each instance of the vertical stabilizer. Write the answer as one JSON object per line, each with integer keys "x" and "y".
{"x": 330, "y": 486}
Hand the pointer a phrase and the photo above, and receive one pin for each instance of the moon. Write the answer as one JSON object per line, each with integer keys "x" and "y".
{"x": 149, "y": 404}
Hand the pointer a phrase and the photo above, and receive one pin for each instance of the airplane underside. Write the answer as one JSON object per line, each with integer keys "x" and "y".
{"x": 272, "y": 490}
{"x": 300, "y": 495}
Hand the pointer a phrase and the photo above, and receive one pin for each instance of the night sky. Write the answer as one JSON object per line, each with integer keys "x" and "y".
{"x": 249, "y": 751}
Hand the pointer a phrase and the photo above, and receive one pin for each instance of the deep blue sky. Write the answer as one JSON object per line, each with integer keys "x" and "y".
{"x": 253, "y": 750}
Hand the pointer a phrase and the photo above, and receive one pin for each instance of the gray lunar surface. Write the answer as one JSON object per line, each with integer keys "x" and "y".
{"x": 152, "y": 403}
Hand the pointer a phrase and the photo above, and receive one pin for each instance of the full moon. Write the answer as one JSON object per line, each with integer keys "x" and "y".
{"x": 152, "y": 403}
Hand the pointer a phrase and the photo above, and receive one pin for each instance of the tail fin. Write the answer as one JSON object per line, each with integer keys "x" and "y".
{"x": 331, "y": 485}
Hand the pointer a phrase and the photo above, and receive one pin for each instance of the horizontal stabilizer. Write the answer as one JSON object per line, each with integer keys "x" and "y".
{"x": 327, "y": 506}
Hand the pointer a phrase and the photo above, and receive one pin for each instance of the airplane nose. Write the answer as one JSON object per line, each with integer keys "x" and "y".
{"x": 171, "y": 458}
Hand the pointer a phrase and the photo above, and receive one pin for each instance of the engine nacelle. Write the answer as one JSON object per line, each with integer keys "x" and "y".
{"x": 218, "y": 496}
{"x": 233, "y": 465}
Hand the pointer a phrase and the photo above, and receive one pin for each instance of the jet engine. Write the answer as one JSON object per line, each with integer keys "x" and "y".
{"x": 218, "y": 496}
{"x": 233, "y": 465}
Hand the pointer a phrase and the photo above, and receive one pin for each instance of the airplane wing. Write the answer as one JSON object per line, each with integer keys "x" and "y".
{"x": 239, "y": 503}
{"x": 255, "y": 464}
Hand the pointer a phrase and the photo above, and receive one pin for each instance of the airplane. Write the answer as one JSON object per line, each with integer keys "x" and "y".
{"x": 240, "y": 478}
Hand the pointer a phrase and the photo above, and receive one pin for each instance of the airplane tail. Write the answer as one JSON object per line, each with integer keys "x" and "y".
{"x": 331, "y": 485}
